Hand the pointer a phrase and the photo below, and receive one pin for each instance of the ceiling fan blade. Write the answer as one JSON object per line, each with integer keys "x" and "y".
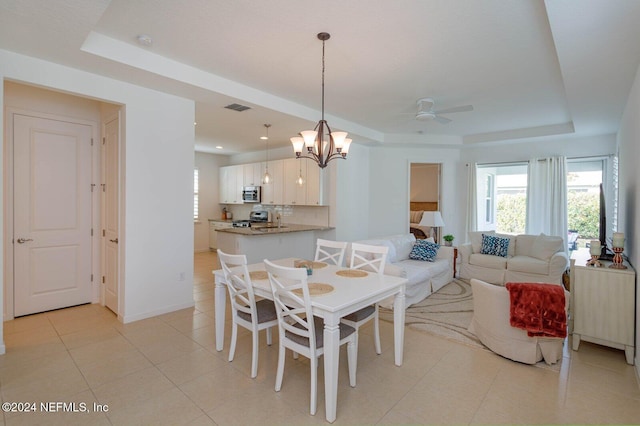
{"x": 463, "y": 108}
{"x": 442, "y": 120}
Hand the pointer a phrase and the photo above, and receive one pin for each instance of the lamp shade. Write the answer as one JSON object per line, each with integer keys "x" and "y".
{"x": 431, "y": 219}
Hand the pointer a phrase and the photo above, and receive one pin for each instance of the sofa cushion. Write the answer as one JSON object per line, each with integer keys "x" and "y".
{"x": 488, "y": 261}
{"x": 418, "y": 271}
{"x": 402, "y": 244}
{"x": 546, "y": 246}
{"x": 495, "y": 246}
{"x": 394, "y": 270}
{"x": 528, "y": 264}
{"x": 424, "y": 250}
{"x": 524, "y": 244}
{"x": 476, "y": 240}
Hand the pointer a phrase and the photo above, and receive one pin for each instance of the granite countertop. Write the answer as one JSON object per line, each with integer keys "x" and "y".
{"x": 272, "y": 228}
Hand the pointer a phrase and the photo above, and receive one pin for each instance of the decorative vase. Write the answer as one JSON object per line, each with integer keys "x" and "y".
{"x": 448, "y": 243}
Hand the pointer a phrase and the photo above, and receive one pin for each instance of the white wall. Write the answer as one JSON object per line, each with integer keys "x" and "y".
{"x": 208, "y": 177}
{"x": 158, "y": 160}
{"x": 389, "y": 170}
{"x": 629, "y": 184}
{"x": 351, "y": 194}
{"x": 424, "y": 182}
{"x": 524, "y": 151}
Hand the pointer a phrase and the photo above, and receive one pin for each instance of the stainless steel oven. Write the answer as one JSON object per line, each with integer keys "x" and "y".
{"x": 251, "y": 194}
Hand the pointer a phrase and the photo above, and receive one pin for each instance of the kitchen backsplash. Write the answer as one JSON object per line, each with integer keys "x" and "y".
{"x": 303, "y": 215}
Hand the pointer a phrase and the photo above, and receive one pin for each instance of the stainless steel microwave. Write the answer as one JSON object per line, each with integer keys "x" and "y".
{"x": 251, "y": 194}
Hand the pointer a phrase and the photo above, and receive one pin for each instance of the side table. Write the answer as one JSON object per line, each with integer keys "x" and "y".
{"x": 603, "y": 304}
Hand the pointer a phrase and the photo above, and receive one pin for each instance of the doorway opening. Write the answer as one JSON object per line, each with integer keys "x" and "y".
{"x": 425, "y": 184}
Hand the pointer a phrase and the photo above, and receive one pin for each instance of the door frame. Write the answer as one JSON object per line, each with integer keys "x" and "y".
{"x": 101, "y": 240}
{"x": 441, "y": 167}
{"x": 8, "y": 222}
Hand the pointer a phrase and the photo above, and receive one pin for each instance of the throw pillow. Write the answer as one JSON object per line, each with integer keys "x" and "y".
{"x": 476, "y": 239}
{"x": 424, "y": 250}
{"x": 415, "y": 216}
{"x": 546, "y": 246}
{"x": 495, "y": 246}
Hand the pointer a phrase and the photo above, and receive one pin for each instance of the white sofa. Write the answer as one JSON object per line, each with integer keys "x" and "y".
{"x": 423, "y": 277}
{"x": 491, "y": 313}
{"x": 530, "y": 258}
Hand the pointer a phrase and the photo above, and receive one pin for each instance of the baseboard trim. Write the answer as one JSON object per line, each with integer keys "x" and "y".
{"x": 131, "y": 318}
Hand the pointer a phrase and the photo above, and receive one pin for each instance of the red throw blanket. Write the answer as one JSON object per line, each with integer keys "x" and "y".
{"x": 538, "y": 308}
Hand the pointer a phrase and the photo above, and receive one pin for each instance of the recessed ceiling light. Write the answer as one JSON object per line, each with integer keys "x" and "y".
{"x": 218, "y": 147}
{"x": 195, "y": 124}
{"x": 145, "y": 40}
{"x": 264, "y": 138}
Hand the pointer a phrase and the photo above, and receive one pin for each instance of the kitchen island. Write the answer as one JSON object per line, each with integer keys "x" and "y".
{"x": 268, "y": 241}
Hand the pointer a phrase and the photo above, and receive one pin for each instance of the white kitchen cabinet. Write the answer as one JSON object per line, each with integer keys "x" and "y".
{"x": 603, "y": 304}
{"x": 295, "y": 194}
{"x": 231, "y": 182}
{"x": 283, "y": 190}
{"x": 252, "y": 174}
{"x": 315, "y": 184}
{"x": 214, "y": 225}
{"x": 273, "y": 193}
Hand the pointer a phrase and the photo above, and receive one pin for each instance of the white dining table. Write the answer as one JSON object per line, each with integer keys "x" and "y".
{"x": 349, "y": 294}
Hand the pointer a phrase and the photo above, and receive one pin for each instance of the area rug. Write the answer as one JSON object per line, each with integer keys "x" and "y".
{"x": 447, "y": 313}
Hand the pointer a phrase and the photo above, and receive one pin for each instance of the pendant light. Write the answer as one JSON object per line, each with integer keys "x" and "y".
{"x": 266, "y": 179}
{"x": 322, "y": 144}
{"x": 300, "y": 179}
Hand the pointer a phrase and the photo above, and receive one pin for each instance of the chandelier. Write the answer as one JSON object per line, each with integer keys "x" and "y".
{"x": 322, "y": 144}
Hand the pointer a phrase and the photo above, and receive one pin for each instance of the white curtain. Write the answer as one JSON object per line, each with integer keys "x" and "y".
{"x": 547, "y": 197}
{"x": 472, "y": 200}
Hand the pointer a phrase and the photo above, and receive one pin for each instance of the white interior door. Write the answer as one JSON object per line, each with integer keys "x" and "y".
{"x": 52, "y": 214}
{"x": 110, "y": 225}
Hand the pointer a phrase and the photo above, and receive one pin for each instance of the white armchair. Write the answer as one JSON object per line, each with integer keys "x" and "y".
{"x": 490, "y": 323}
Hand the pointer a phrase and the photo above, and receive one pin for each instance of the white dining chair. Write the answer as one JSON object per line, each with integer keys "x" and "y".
{"x": 246, "y": 311}
{"x": 330, "y": 251}
{"x": 299, "y": 330}
{"x": 369, "y": 258}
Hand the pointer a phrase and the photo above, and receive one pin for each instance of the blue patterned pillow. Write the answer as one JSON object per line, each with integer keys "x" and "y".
{"x": 494, "y": 246}
{"x": 424, "y": 250}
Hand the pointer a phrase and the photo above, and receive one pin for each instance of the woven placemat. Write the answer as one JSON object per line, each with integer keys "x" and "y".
{"x": 316, "y": 289}
{"x": 304, "y": 263}
{"x": 258, "y": 275}
{"x": 352, "y": 273}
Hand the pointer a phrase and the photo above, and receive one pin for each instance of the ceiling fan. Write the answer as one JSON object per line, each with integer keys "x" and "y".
{"x": 426, "y": 111}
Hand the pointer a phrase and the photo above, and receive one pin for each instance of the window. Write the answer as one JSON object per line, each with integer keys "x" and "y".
{"x": 583, "y": 198}
{"x": 502, "y": 193}
{"x": 502, "y": 197}
{"x": 489, "y": 197}
{"x": 195, "y": 194}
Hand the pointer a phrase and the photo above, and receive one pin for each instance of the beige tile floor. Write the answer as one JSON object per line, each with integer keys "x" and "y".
{"x": 165, "y": 370}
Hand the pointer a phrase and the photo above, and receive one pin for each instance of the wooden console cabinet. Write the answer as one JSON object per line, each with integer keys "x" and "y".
{"x": 602, "y": 304}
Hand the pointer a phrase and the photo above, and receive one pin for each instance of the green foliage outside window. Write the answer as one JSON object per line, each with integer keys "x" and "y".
{"x": 512, "y": 211}
{"x": 583, "y": 213}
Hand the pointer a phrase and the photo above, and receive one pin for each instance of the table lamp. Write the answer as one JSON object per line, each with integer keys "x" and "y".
{"x": 618, "y": 248}
{"x": 434, "y": 220}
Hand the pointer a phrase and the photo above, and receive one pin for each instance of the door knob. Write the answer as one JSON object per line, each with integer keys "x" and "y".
{"x": 23, "y": 240}
{"x": 114, "y": 241}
